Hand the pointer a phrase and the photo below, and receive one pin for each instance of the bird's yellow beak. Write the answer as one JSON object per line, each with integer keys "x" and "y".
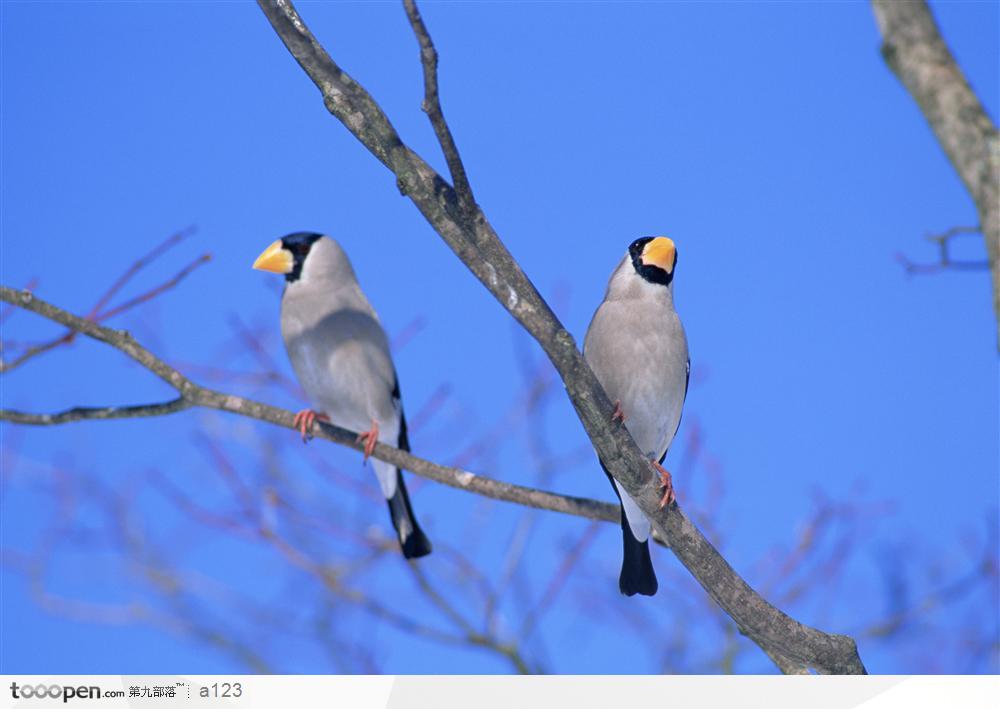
{"x": 660, "y": 252}
{"x": 275, "y": 259}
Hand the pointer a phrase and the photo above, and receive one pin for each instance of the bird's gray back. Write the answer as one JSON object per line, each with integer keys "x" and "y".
{"x": 340, "y": 354}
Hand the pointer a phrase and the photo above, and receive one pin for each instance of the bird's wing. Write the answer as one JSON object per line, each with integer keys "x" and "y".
{"x": 388, "y": 474}
{"x": 687, "y": 382}
{"x": 397, "y": 398}
{"x": 343, "y": 363}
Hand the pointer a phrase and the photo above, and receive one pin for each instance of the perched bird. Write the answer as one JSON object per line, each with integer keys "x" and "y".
{"x": 340, "y": 355}
{"x": 636, "y": 346}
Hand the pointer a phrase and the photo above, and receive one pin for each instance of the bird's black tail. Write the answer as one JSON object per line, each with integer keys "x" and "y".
{"x": 637, "y": 575}
{"x": 412, "y": 539}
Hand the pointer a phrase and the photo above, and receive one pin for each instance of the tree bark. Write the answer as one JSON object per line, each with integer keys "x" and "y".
{"x": 913, "y": 48}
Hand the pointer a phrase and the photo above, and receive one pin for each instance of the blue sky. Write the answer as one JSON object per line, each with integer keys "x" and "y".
{"x": 768, "y": 139}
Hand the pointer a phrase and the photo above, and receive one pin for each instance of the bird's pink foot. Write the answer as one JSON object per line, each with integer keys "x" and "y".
{"x": 668, "y": 485}
{"x": 619, "y": 415}
{"x": 304, "y": 421}
{"x": 370, "y": 437}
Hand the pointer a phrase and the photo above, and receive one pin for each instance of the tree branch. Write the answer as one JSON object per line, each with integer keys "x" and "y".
{"x": 87, "y": 413}
{"x": 98, "y": 312}
{"x": 475, "y": 242}
{"x": 916, "y": 53}
{"x": 192, "y": 395}
{"x": 432, "y": 106}
{"x": 945, "y": 262}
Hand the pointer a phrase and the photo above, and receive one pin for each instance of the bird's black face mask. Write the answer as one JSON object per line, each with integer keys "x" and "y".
{"x": 654, "y": 258}
{"x": 298, "y": 245}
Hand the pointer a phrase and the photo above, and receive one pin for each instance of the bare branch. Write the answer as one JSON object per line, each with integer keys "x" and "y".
{"x": 557, "y": 581}
{"x": 11, "y": 309}
{"x": 99, "y": 314}
{"x": 945, "y": 262}
{"x": 193, "y": 395}
{"x": 476, "y": 243}
{"x": 137, "y": 266}
{"x": 119, "y": 339}
{"x": 474, "y": 637}
{"x": 432, "y": 106}
{"x": 153, "y": 292}
{"x": 34, "y": 351}
{"x": 87, "y": 413}
{"x": 913, "y": 48}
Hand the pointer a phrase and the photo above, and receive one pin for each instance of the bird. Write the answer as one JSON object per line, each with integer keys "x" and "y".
{"x": 340, "y": 354}
{"x": 637, "y": 349}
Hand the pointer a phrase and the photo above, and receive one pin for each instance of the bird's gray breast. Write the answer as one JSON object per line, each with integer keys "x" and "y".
{"x": 638, "y": 351}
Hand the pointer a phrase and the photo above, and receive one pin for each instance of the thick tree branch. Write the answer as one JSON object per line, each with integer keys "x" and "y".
{"x": 475, "y": 242}
{"x": 917, "y": 54}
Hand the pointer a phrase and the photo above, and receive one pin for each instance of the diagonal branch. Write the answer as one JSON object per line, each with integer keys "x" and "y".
{"x": 479, "y": 247}
{"x": 137, "y": 266}
{"x": 916, "y": 53}
{"x": 153, "y": 292}
{"x": 474, "y": 241}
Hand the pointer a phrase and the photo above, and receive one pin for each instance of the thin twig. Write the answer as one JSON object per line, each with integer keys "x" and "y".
{"x": 474, "y": 637}
{"x": 137, "y": 266}
{"x": 945, "y": 262}
{"x": 432, "y": 107}
{"x": 558, "y": 581}
{"x": 97, "y": 312}
{"x": 153, "y": 292}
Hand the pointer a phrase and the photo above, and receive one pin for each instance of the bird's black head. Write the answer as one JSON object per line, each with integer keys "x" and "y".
{"x": 287, "y": 254}
{"x": 654, "y": 258}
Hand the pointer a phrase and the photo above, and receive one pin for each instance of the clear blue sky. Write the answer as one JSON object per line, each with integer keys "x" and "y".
{"x": 768, "y": 139}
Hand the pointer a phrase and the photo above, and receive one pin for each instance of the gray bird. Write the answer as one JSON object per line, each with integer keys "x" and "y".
{"x": 340, "y": 355}
{"x": 636, "y": 346}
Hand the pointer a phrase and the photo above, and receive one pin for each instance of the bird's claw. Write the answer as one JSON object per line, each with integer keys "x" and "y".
{"x": 667, "y": 482}
{"x": 370, "y": 437}
{"x": 619, "y": 415}
{"x": 304, "y": 421}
